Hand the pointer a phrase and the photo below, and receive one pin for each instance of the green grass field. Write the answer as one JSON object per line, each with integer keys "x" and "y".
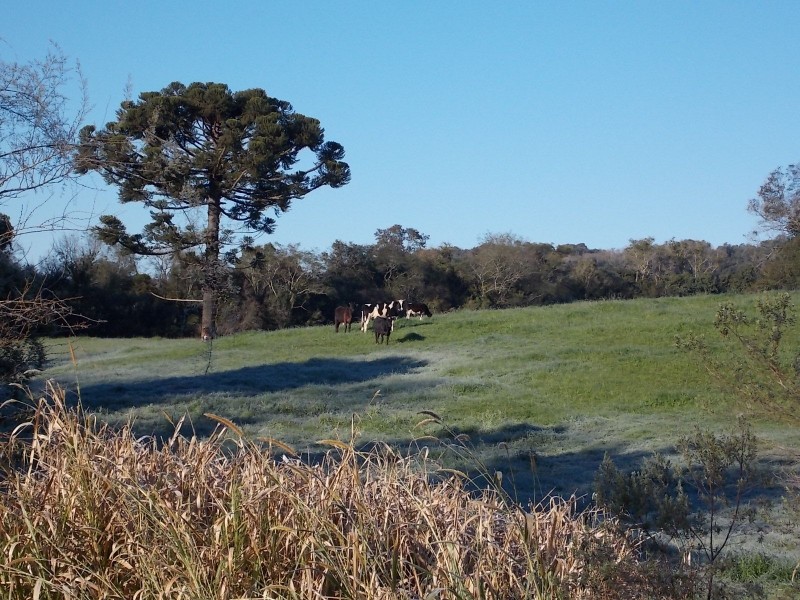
{"x": 539, "y": 394}
{"x": 543, "y": 393}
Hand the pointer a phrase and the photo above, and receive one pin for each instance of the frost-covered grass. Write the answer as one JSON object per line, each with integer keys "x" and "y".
{"x": 559, "y": 385}
{"x": 533, "y": 397}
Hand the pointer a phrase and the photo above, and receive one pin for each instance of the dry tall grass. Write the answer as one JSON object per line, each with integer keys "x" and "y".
{"x": 91, "y": 512}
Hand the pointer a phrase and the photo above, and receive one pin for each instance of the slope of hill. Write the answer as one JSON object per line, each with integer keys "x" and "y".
{"x": 541, "y": 394}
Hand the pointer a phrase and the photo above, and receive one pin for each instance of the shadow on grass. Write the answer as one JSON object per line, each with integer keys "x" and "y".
{"x": 410, "y": 337}
{"x": 530, "y": 463}
{"x": 123, "y": 394}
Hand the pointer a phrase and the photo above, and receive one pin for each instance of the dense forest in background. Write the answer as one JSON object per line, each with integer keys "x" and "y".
{"x": 272, "y": 286}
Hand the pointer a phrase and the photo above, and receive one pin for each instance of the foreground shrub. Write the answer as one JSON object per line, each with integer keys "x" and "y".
{"x": 762, "y": 370}
{"x": 717, "y": 471}
{"x": 87, "y": 511}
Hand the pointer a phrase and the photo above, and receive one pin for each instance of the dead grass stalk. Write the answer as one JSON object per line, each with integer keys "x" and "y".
{"x": 87, "y": 511}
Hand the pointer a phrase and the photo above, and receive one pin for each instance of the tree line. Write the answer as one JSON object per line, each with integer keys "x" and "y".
{"x": 272, "y": 286}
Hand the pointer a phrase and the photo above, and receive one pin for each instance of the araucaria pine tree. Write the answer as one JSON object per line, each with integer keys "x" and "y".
{"x": 202, "y": 151}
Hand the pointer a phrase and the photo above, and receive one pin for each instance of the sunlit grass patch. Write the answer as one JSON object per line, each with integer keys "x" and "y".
{"x": 751, "y": 567}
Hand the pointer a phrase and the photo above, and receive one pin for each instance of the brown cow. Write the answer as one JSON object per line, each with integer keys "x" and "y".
{"x": 343, "y": 314}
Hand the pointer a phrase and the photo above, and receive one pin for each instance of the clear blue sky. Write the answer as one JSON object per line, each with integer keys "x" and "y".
{"x": 560, "y": 122}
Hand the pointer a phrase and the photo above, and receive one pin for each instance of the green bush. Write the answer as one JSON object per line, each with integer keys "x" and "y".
{"x": 760, "y": 368}
{"x": 696, "y": 504}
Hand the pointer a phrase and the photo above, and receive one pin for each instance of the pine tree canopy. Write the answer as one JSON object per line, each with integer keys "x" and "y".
{"x": 185, "y": 147}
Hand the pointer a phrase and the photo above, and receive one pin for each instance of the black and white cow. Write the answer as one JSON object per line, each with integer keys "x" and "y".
{"x": 417, "y": 310}
{"x": 383, "y": 327}
{"x": 380, "y": 309}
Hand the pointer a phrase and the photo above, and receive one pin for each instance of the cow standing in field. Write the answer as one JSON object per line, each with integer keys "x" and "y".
{"x": 380, "y": 309}
{"x": 383, "y": 328}
{"x": 417, "y": 310}
{"x": 343, "y": 315}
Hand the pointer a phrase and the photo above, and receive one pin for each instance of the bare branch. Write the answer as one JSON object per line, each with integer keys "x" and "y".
{"x": 27, "y": 311}
{"x": 200, "y": 301}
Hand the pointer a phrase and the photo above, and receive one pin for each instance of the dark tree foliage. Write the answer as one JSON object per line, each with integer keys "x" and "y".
{"x": 351, "y": 273}
{"x": 279, "y": 286}
{"x": 28, "y": 310}
{"x": 777, "y": 204}
{"x": 393, "y": 251}
{"x": 16, "y": 355}
{"x": 6, "y": 233}
{"x": 782, "y": 269}
{"x": 272, "y": 286}
{"x": 235, "y": 156}
{"x": 107, "y": 286}
{"x": 442, "y": 286}
{"x": 401, "y": 239}
{"x": 740, "y": 267}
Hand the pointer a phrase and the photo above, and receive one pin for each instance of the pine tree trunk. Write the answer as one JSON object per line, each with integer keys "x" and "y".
{"x": 211, "y": 271}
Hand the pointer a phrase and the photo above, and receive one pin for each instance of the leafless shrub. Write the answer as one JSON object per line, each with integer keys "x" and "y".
{"x": 38, "y": 131}
{"x": 23, "y": 315}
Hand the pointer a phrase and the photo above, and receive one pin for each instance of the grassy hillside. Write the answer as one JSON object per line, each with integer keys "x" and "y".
{"x": 541, "y": 392}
